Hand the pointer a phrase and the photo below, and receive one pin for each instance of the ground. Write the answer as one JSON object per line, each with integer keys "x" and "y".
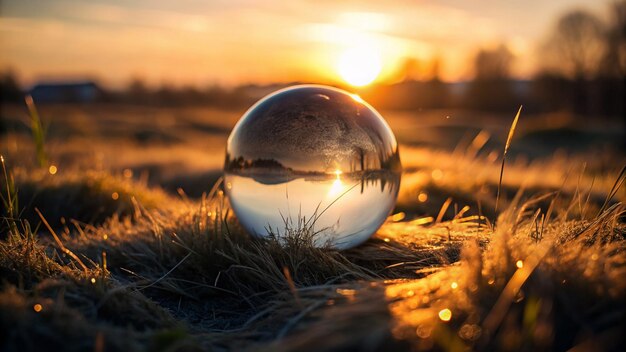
{"x": 139, "y": 250}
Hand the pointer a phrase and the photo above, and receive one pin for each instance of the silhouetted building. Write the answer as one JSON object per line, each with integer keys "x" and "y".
{"x": 66, "y": 92}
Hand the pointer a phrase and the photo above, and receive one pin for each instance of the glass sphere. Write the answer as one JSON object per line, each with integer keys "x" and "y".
{"x": 312, "y": 161}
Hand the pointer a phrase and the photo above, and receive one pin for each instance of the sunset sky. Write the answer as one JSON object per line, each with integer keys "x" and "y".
{"x": 228, "y": 42}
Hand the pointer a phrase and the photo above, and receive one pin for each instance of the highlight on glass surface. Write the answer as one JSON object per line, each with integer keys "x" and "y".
{"x": 316, "y": 161}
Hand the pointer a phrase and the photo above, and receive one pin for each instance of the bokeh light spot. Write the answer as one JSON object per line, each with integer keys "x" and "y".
{"x": 445, "y": 314}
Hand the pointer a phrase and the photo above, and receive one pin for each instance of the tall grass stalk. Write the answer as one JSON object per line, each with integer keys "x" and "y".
{"x": 38, "y": 131}
{"x": 506, "y": 149}
{"x": 9, "y": 200}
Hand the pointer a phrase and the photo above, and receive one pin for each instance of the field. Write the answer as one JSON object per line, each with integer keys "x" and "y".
{"x": 139, "y": 251}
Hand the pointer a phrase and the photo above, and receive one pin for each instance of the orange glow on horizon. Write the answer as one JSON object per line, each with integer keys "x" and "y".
{"x": 204, "y": 43}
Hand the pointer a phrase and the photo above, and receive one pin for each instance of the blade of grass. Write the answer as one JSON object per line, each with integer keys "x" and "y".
{"x": 11, "y": 200}
{"x": 58, "y": 241}
{"x": 506, "y": 149}
{"x": 616, "y": 186}
{"x": 38, "y": 132}
{"x": 443, "y": 209}
{"x": 499, "y": 310}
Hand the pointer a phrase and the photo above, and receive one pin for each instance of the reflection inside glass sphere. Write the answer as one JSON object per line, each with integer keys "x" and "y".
{"x": 312, "y": 158}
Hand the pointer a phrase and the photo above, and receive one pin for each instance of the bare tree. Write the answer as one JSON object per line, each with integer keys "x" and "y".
{"x": 494, "y": 64}
{"x": 492, "y": 88}
{"x": 9, "y": 87}
{"x": 577, "y": 46}
{"x": 614, "y": 63}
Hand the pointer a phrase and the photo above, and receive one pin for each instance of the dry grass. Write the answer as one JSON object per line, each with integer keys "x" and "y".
{"x": 129, "y": 267}
{"x": 77, "y": 197}
{"x": 165, "y": 273}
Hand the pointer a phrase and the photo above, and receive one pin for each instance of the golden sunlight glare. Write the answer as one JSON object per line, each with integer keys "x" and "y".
{"x": 337, "y": 187}
{"x": 359, "y": 66}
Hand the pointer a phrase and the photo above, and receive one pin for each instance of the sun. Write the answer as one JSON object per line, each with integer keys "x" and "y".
{"x": 359, "y": 66}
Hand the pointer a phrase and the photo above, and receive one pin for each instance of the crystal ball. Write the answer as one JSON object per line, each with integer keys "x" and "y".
{"x": 312, "y": 162}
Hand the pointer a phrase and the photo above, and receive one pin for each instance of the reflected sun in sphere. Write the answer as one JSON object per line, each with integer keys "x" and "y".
{"x": 359, "y": 66}
{"x": 337, "y": 187}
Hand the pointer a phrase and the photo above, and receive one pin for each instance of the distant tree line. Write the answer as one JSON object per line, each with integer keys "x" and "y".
{"x": 582, "y": 67}
{"x": 139, "y": 93}
{"x": 241, "y": 163}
